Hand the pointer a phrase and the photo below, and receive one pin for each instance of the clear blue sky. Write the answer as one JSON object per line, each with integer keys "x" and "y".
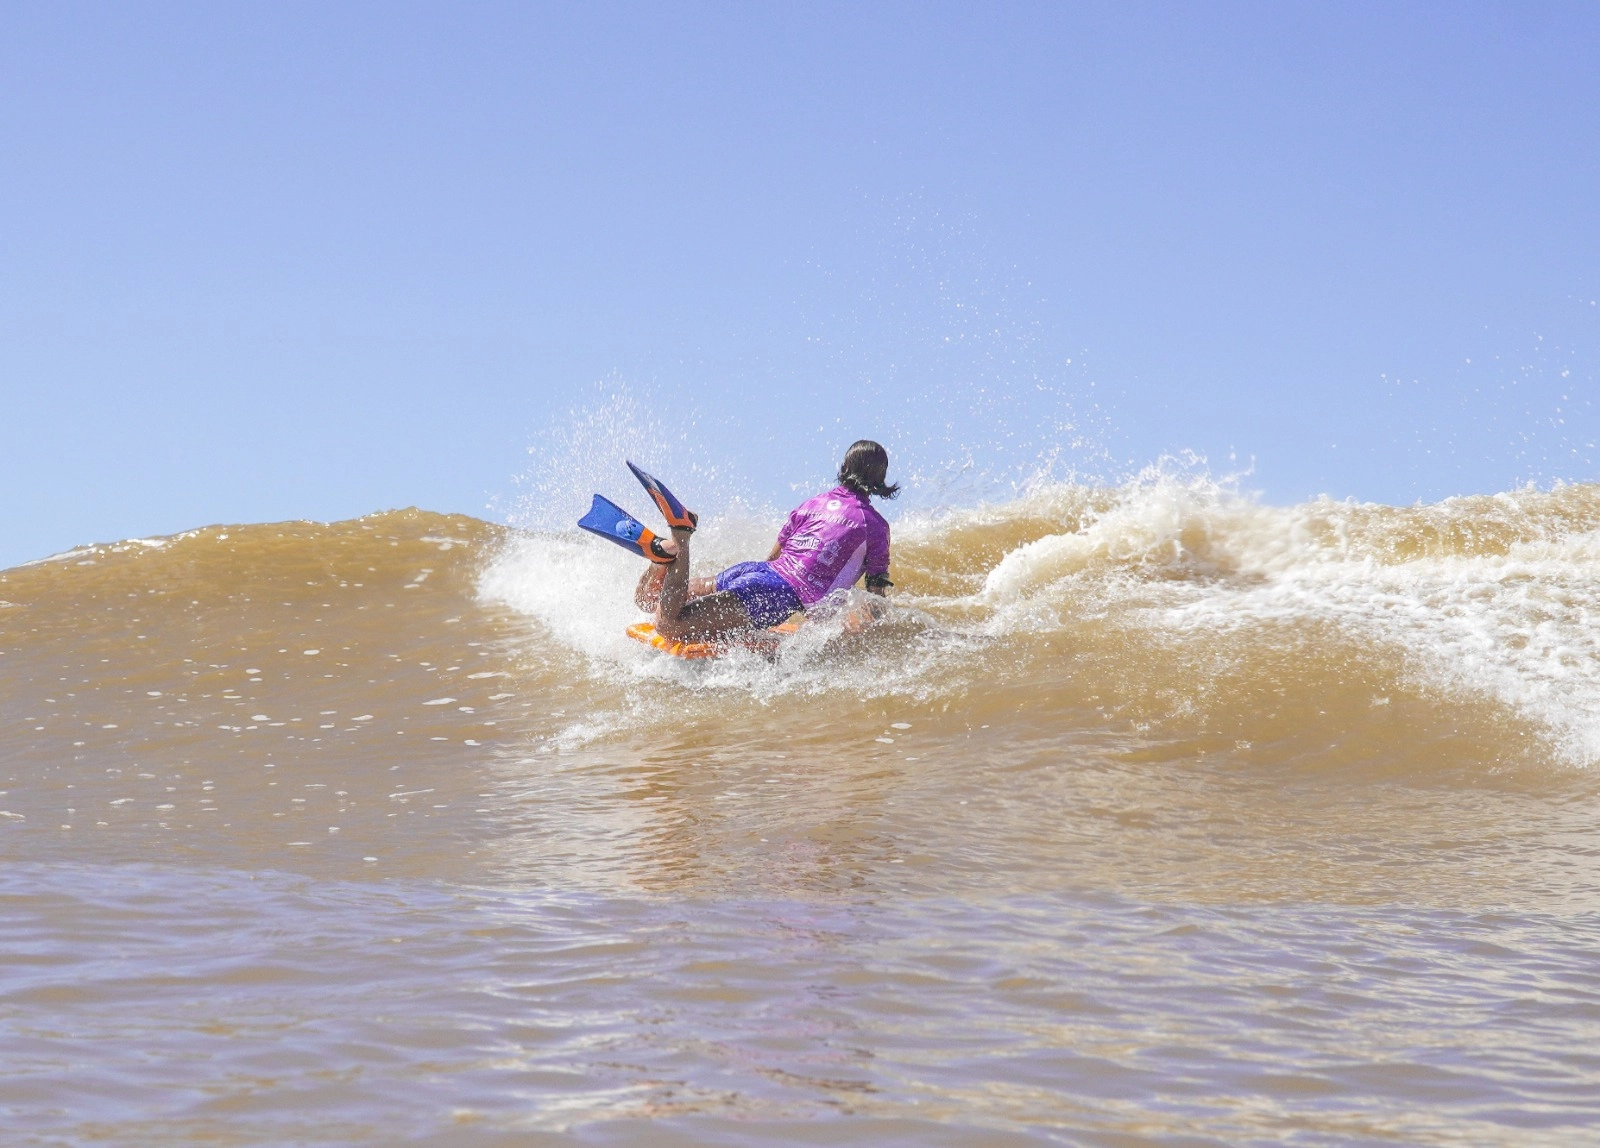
{"x": 283, "y": 260}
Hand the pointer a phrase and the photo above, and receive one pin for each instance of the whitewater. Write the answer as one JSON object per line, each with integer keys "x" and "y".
{"x": 1150, "y": 814}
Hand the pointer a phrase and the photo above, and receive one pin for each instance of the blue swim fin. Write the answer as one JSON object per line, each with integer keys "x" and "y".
{"x": 609, "y": 520}
{"x": 677, "y": 516}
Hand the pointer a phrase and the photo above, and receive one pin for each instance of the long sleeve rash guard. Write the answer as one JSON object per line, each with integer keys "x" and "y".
{"x": 829, "y": 542}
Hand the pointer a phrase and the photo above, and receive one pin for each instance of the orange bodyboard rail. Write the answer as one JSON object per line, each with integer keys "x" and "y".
{"x": 693, "y": 651}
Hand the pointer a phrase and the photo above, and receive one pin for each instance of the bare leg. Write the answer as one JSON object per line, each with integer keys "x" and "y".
{"x": 681, "y": 614}
{"x": 647, "y": 594}
{"x": 674, "y": 585}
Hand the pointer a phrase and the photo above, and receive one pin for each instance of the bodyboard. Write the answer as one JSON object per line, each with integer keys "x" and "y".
{"x": 694, "y": 651}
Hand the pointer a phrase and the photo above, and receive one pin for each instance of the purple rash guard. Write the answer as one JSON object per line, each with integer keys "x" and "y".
{"x": 829, "y": 542}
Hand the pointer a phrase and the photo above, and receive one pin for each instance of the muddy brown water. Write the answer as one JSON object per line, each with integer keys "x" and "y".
{"x": 1149, "y": 816}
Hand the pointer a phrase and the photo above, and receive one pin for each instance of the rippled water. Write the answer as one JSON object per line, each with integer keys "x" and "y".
{"x": 1151, "y": 815}
{"x": 157, "y": 1006}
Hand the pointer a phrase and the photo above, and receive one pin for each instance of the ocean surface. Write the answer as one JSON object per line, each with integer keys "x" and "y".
{"x": 1150, "y": 815}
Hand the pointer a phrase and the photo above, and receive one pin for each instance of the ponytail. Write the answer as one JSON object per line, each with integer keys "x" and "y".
{"x": 865, "y": 470}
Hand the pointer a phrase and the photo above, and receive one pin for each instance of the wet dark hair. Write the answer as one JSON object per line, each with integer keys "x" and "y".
{"x": 864, "y": 469}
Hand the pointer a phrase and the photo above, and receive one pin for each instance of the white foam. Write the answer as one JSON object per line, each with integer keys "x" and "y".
{"x": 1486, "y": 597}
{"x": 1515, "y": 628}
{"x": 64, "y": 556}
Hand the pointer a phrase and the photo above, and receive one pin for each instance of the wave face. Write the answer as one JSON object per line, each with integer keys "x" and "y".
{"x": 1167, "y": 634}
{"x": 1452, "y": 639}
{"x": 1090, "y": 710}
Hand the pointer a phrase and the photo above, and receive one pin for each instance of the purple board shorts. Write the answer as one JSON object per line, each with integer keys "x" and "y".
{"x": 767, "y": 597}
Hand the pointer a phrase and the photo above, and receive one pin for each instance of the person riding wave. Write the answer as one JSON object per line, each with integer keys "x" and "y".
{"x": 828, "y": 543}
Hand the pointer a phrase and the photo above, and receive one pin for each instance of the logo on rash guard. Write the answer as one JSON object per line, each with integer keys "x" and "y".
{"x": 833, "y": 504}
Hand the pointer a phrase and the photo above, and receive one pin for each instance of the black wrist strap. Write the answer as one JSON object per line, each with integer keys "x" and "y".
{"x": 878, "y": 581}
